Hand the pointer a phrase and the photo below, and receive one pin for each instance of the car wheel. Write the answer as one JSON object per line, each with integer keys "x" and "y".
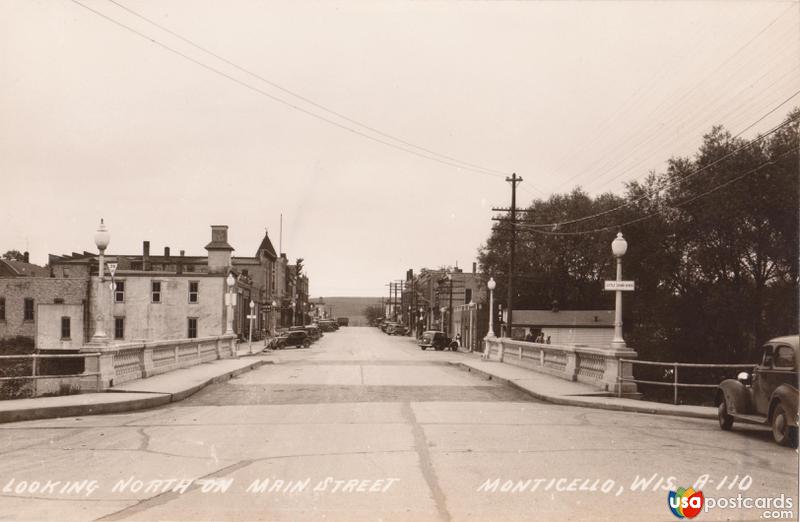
{"x": 422, "y": 348}
{"x": 781, "y": 431}
{"x": 725, "y": 418}
{"x": 306, "y": 344}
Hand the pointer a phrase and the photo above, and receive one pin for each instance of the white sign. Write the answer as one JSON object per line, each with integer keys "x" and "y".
{"x": 112, "y": 267}
{"x": 252, "y": 316}
{"x": 624, "y": 286}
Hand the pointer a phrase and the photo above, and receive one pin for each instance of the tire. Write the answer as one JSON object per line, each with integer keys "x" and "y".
{"x": 422, "y": 348}
{"x": 782, "y": 433}
{"x": 725, "y": 418}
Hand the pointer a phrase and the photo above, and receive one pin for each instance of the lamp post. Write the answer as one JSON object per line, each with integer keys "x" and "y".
{"x": 294, "y": 306}
{"x": 250, "y": 329}
{"x": 618, "y": 247}
{"x": 101, "y": 239}
{"x": 274, "y": 321}
{"x": 491, "y": 285}
{"x": 230, "y": 298}
{"x": 450, "y": 306}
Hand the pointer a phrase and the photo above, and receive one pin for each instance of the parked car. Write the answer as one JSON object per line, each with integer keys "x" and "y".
{"x": 387, "y": 325}
{"x": 769, "y": 396}
{"x": 327, "y": 325}
{"x": 313, "y": 332}
{"x": 399, "y": 329}
{"x": 437, "y": 340}
{"x": 343, "y": 321}
{"x": 298, "y": 338}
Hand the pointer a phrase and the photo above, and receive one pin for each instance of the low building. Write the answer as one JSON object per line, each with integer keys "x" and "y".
{"x": 566, "y": 327}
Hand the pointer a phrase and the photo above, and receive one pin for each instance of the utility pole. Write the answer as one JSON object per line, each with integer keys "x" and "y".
{"x": 514, "y": 179}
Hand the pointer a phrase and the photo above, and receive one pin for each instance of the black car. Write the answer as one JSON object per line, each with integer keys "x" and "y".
{"x": 298, "y": 338}
{"x": 437, "y": 340}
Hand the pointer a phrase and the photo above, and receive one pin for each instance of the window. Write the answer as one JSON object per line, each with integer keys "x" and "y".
{"x": 192, "y": 333}
{"x": 65, "y": 328}
{"x": 119, "y": 328}
{"x": 784, "y": 357}
{"x": 2, "y": 308}
{"x": 28, "y": 309}
{"x": 194, "y": 291}
{"x": 119, "y": 292}
{"x": 468, "y": 296}
{"x": 155, "y": 289}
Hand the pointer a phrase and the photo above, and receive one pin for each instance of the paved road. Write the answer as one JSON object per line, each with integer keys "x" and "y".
{"x": 367, "y": 427}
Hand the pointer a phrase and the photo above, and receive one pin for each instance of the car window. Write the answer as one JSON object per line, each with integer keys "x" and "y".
{"x": 784, "y": 357}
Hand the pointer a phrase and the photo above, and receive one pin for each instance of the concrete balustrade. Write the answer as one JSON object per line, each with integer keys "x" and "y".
{"x": 598, "y": 366}
{"x": 123, "y": 362}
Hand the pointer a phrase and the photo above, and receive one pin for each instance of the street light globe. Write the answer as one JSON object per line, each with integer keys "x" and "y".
{"x": 252, "y": 304}
{"x": 274, "y": 303}
{"x": 619, "y": 246}
{"x": 102, "y": 236}
{"x": 491, "y": 284}
{"x": 230, "y": 280}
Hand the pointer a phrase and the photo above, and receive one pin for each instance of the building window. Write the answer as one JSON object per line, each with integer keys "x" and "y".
{"x": 192, "y": 333}
{"x": 119, "y": 328}
{"x": 194, "y": 291}
{"x": 2, "y": 308}
{"x": 468, "y": 296}
{"x": 119, "y": 292}
{"x": 65, "y": 328}
{"x": 155, "y": 289}
{"x": 28, "y": 309}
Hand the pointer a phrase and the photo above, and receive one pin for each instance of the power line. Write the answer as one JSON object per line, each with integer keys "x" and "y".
{"x": 660, "y": 211}
{"x": 289, "y": 104}
{"x": 669, "y": 184}
{"x": 301, "y": 97}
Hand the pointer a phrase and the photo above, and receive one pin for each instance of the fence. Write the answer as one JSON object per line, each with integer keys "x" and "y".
{"x": 674, "y": 366}
{"x": 596, "y": 366}
{"x": 52, "y": 384}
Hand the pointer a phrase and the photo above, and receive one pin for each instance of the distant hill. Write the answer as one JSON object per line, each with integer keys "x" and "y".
{"x": 350, "y": 307}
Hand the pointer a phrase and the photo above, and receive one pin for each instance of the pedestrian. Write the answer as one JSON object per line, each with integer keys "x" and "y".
{"x": 530, "y": 338}
{"x": 540, "y": 338}
{"x": 548, "y": 340}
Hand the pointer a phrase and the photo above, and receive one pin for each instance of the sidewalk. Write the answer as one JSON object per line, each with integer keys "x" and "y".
{"x": 560, "y": 391}
{"x": 135, "y": 395}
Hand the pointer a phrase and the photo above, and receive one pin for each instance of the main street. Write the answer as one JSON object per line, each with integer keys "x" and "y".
{"x": 363, "y": 426}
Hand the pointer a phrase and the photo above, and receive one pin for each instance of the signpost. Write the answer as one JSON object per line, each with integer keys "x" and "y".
{"x": 251, "y": 317}
{"x": 112, "y": 268}
{"x": 621, "y": 286}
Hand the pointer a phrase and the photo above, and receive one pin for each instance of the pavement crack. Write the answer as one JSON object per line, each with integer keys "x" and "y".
{"x": 145, "y": 444}
{"x": 426, "y": 466}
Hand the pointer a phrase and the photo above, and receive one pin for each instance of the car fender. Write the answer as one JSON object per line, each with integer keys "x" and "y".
{"x": 737, "y": 397}
{"x": 787, "y": 395}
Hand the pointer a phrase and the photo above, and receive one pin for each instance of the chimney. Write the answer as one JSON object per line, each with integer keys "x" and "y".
{"x": 146, "y": 255}
{"x": 183, "y": 253}
{"x": 26, "y": 257}
{"x": 555, "y": 305}
{"x": 166, "y": 251}
{"x": 219, "y": 251}
{"x": 179, "y": 265}
{"x": 474, "y": 267}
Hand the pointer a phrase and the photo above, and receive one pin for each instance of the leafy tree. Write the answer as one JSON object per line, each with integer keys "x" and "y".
{"x": 713, "y": 251}
{"x": 373, "y": 312}
{"x": 14, "y": 255}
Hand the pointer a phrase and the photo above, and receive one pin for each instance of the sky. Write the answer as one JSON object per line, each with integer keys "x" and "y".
{"x": 99, "y": 121}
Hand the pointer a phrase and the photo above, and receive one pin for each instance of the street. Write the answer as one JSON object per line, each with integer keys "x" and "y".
{"x": 363, "y": 426}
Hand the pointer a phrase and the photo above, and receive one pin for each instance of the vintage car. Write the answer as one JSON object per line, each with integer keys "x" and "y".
{"x": 769, "y": 396}
{"x": 293, "y": 338}
{"x": 437, "y": 340}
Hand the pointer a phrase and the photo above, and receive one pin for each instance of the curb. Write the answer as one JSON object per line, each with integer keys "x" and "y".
{"x": 151, "y": 400}
{"x": 564, "y": 401}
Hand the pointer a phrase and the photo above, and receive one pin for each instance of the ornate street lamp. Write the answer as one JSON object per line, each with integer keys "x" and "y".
{"x": 230, "y": 298}
{"x": 101, "y": 239}
{"x": 450, "y": 306}
{"x": 618, "y": 247}
{"x": 491, "y": 285}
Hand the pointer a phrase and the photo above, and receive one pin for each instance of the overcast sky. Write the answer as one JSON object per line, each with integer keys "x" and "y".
{"x": 98, "y": 121}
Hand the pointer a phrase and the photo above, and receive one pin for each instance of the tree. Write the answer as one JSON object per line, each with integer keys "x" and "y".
{"x": 713, "y": 250}
{"x": 373, "y": 312}
{"x": 14, "y": 255}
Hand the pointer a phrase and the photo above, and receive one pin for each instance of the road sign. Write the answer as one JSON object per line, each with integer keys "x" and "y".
{"x": 252, "y": 316}
{"x": 624, "y": 286}
{"x": 112, "y": 267}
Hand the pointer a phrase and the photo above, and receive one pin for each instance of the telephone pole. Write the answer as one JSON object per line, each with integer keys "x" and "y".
{"x": 514, "y": 179}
